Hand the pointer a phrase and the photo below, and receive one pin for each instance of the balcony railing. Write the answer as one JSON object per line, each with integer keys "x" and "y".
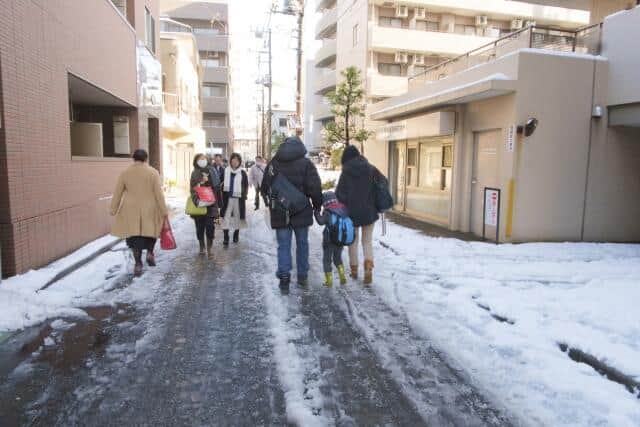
{"x": 585, "y": 40}
{"x": 170, "y": 26}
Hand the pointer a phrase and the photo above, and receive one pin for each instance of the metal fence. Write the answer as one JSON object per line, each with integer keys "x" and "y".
{"x": 585, "y": 40}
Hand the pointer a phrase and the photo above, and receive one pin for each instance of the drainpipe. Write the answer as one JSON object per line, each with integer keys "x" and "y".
{"x": 591, "y": 124}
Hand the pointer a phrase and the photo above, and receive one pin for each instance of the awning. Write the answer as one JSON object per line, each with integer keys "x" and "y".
{"x": 422, "y": 100}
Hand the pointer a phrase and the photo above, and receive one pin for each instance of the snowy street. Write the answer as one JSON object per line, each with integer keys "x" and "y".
{"x": 451, "y": 334}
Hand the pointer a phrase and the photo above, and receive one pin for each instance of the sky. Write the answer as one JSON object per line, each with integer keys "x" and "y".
{"x": 247, "y": 16}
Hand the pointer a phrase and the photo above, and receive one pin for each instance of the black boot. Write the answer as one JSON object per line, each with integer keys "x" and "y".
{"x": 225, "y": 242}
{"x": 209, "y": 247}
{"x": 137, "y": 270}
{"x": 151, "y": 259}
{"x": 284, "y": 285}
{"x": 236, "y": 236}
{"x": 202, "y": 248}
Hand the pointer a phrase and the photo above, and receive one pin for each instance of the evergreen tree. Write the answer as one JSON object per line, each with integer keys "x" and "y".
{"x": 347, "y": 103}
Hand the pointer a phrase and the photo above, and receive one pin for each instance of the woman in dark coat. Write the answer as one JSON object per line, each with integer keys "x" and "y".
{"x": 356, "y": 190}
{"x": 234, "y": 193}
{"x": 204, "y": 175}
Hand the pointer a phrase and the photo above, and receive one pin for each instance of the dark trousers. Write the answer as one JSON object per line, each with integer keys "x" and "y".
{"x": 204, "y": 223}
{"x": 257, "y": 197}
{"x": 331, "y": 253}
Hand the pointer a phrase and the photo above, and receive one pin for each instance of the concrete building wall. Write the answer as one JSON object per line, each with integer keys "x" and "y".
{"x": 550, "y": 182}
{"x": 600, "y": 9}
{"x": 52, "y": 208}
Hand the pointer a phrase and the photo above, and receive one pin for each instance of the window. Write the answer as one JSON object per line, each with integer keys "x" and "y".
{"x": 283, "y": 123}
{"x": 469, "y": 30}
{"x": 217, "y": 28}
{"x": 149, "y": 31}
{"x": 412, "y": 166}
{"x": 211, "y": 59}
{"x": 355, "y": 35}
{"x": 390, "y": 69}
{"x": 419, "y": 69}
{"x": 427, "y": 26}
{"x": 213, "y": 89}
{"x": 385, "y": 21}
{"x": 214, "y": 121}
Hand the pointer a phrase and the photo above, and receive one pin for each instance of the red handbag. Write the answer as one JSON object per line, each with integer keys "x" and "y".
{"x": 167, "y": 240}
{"x": 206, "y": 196}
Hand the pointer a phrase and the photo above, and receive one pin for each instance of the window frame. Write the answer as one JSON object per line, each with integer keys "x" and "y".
{"x": 149, "y": 31}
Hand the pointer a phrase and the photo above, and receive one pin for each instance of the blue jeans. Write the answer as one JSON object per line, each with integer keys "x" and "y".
{"x": 284, "y": 251}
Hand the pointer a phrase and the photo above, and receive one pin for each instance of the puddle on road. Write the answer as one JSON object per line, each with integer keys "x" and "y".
{"x": 35, "y": 357}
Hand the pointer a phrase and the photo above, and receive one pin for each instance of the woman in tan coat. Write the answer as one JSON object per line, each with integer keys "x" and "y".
{"x": 139, "y": 207}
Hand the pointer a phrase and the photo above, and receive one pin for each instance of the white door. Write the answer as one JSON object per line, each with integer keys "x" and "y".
{"x": 485, "y": 174}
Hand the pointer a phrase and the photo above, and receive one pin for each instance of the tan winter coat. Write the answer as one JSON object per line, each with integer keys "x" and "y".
{"x": 138, "y": 203}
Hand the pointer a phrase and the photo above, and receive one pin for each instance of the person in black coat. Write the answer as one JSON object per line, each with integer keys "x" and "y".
{"x": 292, "y": 163}
{"x": 203, "y": 175}
{"x": 356, "y": 190}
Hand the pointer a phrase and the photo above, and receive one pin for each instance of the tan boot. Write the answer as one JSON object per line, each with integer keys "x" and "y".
{"x": 354, "y": 271}
{"x": 368, "y": 272}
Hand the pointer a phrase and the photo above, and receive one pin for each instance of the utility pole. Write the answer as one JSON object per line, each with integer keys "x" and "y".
{"x": 270, "y": 111}
{"x": 299, "y": 69}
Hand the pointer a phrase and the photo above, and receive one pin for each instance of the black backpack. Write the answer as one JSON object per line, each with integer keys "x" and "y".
{"x": 285, "y": 198}
{"x": 382, "y": 195}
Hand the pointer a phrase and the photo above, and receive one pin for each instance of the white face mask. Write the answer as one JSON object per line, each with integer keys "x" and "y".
{"x": 203, "y": 163}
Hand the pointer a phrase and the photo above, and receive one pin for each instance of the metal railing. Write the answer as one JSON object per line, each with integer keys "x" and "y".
{"x": 170, "y": 26}
{"x": 584, "y": 40}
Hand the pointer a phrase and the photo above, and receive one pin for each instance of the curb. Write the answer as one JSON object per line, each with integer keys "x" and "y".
{"x": 84, "y": 261}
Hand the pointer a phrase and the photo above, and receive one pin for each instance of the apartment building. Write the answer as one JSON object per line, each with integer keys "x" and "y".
{"x": 79, "y": 91}
{"x": 209, "y": 21}
{"x": 393, "y": 40}
{"x": 532, "y": 137}
{"x": 182, "y": 133}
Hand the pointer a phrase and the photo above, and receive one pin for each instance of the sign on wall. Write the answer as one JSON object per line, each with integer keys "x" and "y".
{"x": 511, "y": 138}
{"x": 491, "y": 211}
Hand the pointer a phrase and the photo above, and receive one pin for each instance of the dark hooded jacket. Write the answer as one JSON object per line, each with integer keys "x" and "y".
{"x": 291, "y": 162}
{"x": 355, "y": 189}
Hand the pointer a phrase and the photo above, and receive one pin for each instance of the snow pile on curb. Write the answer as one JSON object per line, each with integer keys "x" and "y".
{"x": 502, "y": 311}
{"x": 22, "y": 306}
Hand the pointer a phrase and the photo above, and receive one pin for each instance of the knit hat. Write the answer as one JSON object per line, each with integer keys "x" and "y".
{"x": 328, "y": 198}
{"x": 350, "y": 153}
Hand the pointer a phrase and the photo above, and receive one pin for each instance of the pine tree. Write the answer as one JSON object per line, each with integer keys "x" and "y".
{"x": 347, "y": 104}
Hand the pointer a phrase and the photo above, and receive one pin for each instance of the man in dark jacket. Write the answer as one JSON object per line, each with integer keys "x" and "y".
{"x": 355, "y": 189}
{"x": 290, "y": 161}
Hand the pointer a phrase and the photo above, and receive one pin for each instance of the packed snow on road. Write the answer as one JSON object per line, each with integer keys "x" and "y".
{"x": 536, "y": 334}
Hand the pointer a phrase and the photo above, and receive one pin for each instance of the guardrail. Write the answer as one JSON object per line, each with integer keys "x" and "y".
{"x": 584, "y": 40}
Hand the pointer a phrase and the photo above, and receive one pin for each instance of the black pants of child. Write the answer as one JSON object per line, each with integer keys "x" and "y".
{"x": 204, "y": 223}
{"x": 331, "y": 253}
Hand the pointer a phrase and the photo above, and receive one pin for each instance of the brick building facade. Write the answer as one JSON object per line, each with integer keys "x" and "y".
{"x": 79, "y": 91}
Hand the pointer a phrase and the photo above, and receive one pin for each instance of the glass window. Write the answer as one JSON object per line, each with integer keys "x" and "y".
{"x": 385, "y": 21}
{"x": 211, "y": 89}
{"x": 149, "y": 30}
{"x": 356, "y": 35}
{"x": 470, "y": 30}
{"x": 211, "y": 59}
{"x": 282, "y": 123}
{"x": 430, "y": 165}
{"x": 390, "y": 69}
{"x": 214, "y": 121}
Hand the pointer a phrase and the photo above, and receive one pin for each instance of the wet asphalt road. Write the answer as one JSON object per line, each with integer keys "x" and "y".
{"x": 211, "y": 360}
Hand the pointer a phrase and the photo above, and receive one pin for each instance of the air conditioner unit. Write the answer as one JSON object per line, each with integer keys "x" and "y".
{"x": 418, "y": 59}
{"x": 421, "y": 12}
{"x": 482, "y": 21}
{"x": 516, "y": 24}
{"x": 402, "y": 11}
{"x": 530, "y": 23}
{"x": 402, "y": 57}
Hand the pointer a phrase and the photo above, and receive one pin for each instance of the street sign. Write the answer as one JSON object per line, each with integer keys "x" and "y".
{"x": 491, "y": 210}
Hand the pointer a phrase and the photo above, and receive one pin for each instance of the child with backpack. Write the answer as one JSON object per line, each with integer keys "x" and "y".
{"x": 338, "y": 232}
